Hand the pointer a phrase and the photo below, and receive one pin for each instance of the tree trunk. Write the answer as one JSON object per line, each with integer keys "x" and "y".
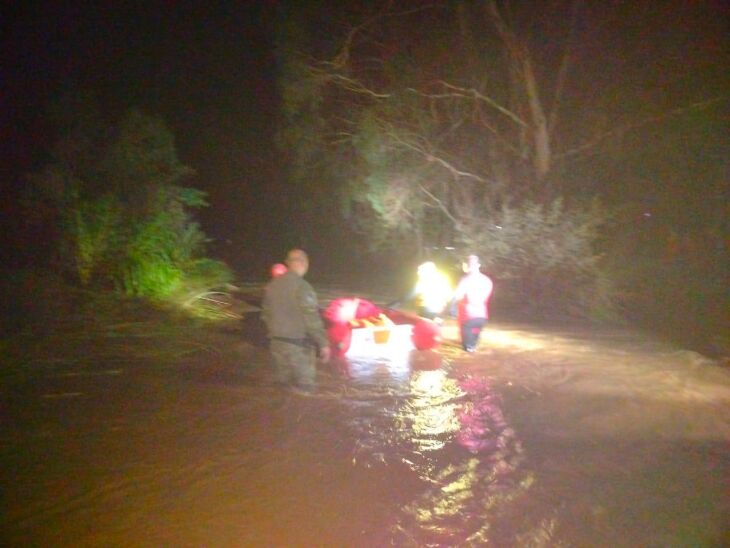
{"x": 540, "y": 135}
{"x": 524, "y": 78}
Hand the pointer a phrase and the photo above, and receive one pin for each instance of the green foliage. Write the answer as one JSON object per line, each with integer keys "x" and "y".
{"x": 438, "y": 124}
{"x": 122, "y": 219}
{"x": 92, "y": 227}
{"x": 149, "y": 276}
{"x": 141, "y": 157}
{"x": 208, "y": 273}
{"x": 399, "y": 196}
{"x": 204, "y": 289}
{"x": 544, "y": 257}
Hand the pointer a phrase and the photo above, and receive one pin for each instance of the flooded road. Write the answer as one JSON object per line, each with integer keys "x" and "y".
{"x": 545, "y": 437}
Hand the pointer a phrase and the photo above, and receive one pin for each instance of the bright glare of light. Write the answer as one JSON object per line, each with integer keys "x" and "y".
{"x": 433, "y": 287}
{"x": 392, "y": 340}
{"x": 388, "y": 369}
{"x": 428, "y": 383}
{"x": 432, "y": 411}
{"x": 380, "y": 353}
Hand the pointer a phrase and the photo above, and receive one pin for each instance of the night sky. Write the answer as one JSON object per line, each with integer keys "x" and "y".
{"x": 206, "y": 67}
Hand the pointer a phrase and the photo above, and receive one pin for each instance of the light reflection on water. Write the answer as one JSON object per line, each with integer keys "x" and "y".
{"x": 451, "y": 432}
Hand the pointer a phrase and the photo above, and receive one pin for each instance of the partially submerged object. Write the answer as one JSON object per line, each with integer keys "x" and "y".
{"x": 358, "y": 327}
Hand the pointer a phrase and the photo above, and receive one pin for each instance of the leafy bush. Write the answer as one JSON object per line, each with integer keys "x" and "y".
{"x": 203, "y": 290}
{"x": 543, "y": 258}
{"x": 121, "y": 217}
{"x": 91, "y": 229}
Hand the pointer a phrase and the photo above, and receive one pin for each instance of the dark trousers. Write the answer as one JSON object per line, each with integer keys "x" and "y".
{"x": 294, "y": 362}
{"x": 470, "y": 331}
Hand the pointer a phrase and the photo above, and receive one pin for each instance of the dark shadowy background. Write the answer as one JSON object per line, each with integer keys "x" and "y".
{"x": 208, "y": 68}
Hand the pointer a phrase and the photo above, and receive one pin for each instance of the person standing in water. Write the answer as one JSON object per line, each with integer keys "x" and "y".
{"x": 295, "y": 329}
{"x": 472, "y": 296}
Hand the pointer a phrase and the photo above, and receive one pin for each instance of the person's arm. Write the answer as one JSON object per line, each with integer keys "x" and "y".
{"x": 459, "y": 291}
{"x": 457, "y": 296}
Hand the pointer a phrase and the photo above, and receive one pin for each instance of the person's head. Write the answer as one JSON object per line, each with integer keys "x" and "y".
{"x": 297, "y": 261}
{"x": 472, "y": 264}
{"x": 277, "y": 270}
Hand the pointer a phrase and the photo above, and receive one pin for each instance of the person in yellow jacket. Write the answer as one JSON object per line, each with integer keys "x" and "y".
{"x": 433, "y": 291}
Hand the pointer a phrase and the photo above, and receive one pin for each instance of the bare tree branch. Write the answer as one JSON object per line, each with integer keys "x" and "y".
{"x": 473, "y": 93}
{"x": 438, "y": 203}
{"x": 356, "y": 86}
{"x": 563, "y": 70}
{"x": 522, "y": 66}
{"x": 431, "y": 157}
{"x": 343, "y": 56}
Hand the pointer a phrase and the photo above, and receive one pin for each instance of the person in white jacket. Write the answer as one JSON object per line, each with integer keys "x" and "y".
{"x": 472, "y": 296}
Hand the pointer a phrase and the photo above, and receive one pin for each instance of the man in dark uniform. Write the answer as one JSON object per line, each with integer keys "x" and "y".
{"x": 294, "y": 325}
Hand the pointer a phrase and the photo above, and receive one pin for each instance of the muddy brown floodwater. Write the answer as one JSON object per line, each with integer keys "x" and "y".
{"x": 545, "y": 437}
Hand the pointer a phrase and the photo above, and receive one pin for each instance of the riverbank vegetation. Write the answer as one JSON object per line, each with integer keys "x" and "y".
{"x": 118, "y": 267}
{"x": 588, "y": 191}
